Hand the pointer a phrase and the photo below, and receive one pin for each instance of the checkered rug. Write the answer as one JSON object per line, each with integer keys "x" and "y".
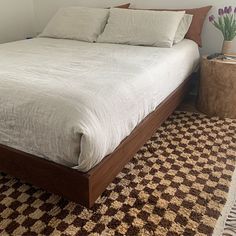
{"x": 177, "y": 184}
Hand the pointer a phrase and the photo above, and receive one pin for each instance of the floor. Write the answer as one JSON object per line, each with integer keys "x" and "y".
{"x": 168, "y": 188}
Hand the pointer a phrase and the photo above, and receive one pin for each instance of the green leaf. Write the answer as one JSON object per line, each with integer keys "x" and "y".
{"x": 227, "y": 25}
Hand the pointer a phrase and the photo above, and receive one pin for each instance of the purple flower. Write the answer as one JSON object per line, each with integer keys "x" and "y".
{"x": 211, "y": 18}
{"x": 225, "y": 22}
{"x": 221, "y": 12}
{"x": 226, "y": 10}
{"x": 229, "y": 10}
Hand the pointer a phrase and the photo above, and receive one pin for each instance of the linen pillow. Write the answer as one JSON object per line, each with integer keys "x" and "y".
{"x": 79, "y": 23}
{"x": 140, "y": 27}
{"x": 195, "y": 29}
{"x": 183, "y": 28}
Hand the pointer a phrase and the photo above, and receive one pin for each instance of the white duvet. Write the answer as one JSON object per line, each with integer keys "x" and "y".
{"x": 74, "y": 102}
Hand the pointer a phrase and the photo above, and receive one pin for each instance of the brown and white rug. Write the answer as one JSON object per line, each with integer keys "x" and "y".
{"x": 177, "y": 184}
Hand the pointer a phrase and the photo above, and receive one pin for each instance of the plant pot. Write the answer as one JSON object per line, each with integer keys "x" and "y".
{"x": 227, "y": 47}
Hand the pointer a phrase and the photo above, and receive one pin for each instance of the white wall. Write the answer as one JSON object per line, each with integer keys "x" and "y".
{"x": 212, "y": 39}
{"x": 16, "y": 20}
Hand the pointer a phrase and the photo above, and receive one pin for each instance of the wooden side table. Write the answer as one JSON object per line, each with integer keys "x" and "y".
{"x": 217, "y": 93}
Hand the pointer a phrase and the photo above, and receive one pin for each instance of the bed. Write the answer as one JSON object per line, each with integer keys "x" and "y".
{"x": 73, "y": 113}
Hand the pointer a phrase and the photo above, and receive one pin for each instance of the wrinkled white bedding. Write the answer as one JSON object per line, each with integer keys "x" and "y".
{"x": 73, "y": 102}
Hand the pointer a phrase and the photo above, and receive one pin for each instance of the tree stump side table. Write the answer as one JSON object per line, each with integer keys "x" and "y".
{"x": 217, "y": 93}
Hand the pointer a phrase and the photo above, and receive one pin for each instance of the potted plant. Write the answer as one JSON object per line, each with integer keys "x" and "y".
{"x": 226, "y": 23}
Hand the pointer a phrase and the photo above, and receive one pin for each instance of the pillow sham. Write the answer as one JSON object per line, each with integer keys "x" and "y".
{"x": 79, "y": 23}
{"x": 195, "y": 29}
{"x": 183, "y": 28}
{"x": 140, "y": 27}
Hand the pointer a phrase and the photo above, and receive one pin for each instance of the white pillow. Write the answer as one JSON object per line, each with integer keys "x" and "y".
{"x": 141, "y": 27}
{"x": 79, "y": 23}
{"x": 183, "y": 28}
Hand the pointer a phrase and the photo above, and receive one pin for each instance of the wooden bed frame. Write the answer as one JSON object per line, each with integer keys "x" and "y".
{"x": 85, "y": 188}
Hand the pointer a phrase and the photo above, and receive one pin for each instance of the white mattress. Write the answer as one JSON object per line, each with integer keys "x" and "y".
{"x": 74, "y": 102}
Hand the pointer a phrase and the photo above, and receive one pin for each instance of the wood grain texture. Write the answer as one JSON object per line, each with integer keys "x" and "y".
{"x": 47, "y": 175}
{"x": 217, "y": 94}
{"x": 85, "y": 188}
